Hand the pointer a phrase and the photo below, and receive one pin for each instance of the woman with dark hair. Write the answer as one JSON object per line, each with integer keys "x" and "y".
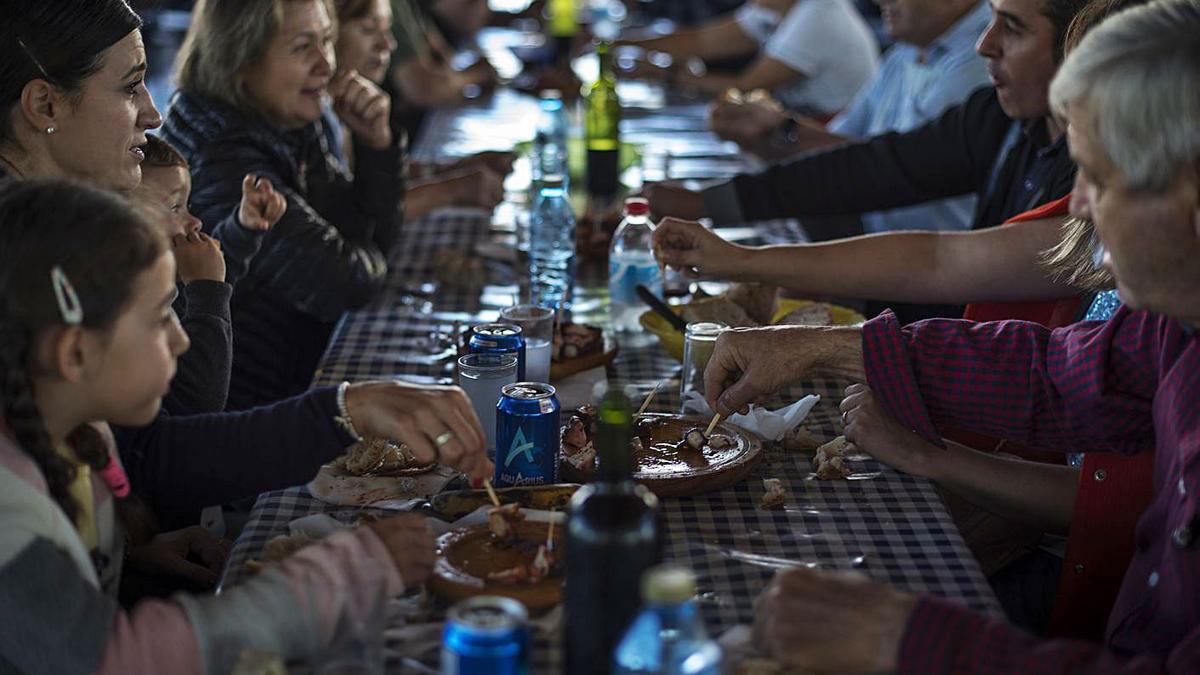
{"x": 73, "y": 103}
{"x": 254, "y": 77}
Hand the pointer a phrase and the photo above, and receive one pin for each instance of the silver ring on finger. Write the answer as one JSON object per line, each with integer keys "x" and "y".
{"x": 443, "y": 438}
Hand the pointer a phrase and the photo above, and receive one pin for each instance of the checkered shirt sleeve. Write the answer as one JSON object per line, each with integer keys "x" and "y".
{"x": 942, "y": 637}
{"x": 1083, "y": 386}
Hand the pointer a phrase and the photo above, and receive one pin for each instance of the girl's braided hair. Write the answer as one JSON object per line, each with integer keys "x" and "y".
{"x": 102, "y": 246}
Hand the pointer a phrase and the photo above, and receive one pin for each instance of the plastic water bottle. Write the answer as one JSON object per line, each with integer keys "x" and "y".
{"x": 667, "y": 637}
{"x": 550, "y": 141}
{"x": 631, "y": 262}
{"x": 552, "y": 245}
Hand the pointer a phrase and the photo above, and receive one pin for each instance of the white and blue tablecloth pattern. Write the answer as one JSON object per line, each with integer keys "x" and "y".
{"x": 890, "y": 526}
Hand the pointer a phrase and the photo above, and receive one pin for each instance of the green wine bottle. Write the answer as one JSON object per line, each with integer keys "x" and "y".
{"x": 614, "y": 534}
{"x": 563, "y": 26}
{"x": 602, "y": 121}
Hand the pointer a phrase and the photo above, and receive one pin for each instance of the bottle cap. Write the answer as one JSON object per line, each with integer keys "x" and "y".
{"x": 549, "y": 93}
{"x": 637, "y": 206}
{"x": 668, "y": 584}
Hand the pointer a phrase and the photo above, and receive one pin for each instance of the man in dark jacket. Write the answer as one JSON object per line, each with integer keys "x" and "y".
{"x": 1001, "y": 144}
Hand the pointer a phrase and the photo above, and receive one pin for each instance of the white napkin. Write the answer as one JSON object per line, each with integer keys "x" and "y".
{"x": 772, "y": 425}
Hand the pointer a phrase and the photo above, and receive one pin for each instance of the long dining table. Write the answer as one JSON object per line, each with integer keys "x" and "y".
{"x": 887, "y": 525}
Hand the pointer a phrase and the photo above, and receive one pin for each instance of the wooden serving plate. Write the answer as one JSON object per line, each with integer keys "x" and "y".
{"x": 669, "y": 474}
{"x": 467, "y": 555}
{"x": 455, "y": 504}
{"x": 566, "y": 368}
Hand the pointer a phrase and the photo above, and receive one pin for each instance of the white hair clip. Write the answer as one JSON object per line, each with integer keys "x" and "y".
{"x": 68, "y": 301}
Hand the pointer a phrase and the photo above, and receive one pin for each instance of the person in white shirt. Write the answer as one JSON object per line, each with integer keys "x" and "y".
{"x": 814, "y": 55}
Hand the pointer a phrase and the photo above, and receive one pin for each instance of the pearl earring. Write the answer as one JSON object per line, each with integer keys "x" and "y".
{"x": 50, "y": 131}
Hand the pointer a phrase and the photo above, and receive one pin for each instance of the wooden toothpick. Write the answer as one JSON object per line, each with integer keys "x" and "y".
{"x": 712, "y": 425}
{"x": 649, "y": 397}
{"x": 487, "y": 483}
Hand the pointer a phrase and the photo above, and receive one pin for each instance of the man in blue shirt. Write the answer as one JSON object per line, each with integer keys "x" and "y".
{"x": 932, "y": 67}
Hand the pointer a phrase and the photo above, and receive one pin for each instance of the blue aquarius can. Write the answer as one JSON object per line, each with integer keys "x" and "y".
{"x": 527, "y": 444}
{"x": 486, "y": 635}
{"x": 500, "y": 338}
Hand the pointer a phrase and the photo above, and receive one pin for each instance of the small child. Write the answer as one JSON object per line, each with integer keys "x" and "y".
{"x": 208, "y": 266}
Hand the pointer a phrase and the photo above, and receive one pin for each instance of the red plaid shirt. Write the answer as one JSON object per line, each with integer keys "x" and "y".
{"x": 1109, "y": 386}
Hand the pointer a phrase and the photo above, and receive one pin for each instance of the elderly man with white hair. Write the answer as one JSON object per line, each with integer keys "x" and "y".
{"x": 1130, "y": 95}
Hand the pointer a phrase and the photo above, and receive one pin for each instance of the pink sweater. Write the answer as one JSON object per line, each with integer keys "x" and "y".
{"x": 58, "y": 612}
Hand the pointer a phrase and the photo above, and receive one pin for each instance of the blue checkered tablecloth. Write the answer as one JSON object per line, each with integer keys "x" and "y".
{"x": 890, "y": 526}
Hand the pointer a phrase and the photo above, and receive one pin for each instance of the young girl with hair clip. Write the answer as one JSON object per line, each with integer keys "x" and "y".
{"x": 87, "y": 336}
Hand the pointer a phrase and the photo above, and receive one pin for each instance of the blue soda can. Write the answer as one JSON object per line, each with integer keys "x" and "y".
{"x": 500, "y": 338}
{"x": 527, "y": 443}
{"x": 486, "y": 635}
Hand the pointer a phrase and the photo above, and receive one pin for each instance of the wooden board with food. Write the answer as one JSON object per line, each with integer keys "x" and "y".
{"x": 673, "y": 456}
{"x": 578, "y": 347}
{"x": 455, "y": 504}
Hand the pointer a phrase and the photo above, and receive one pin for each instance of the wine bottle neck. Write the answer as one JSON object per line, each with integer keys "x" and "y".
{"x": 615, "y": 461}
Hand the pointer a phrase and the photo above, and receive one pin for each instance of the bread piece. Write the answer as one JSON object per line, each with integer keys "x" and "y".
{"x": 718, "y": 309}
{"x": 759, "y": 300}
{"x": 833, "y": 469}
{"x": 775, "y": 496}
{"x": 801, "y": 438}
{"x": 816, "y": 314}
{"x": 829, "y": 462}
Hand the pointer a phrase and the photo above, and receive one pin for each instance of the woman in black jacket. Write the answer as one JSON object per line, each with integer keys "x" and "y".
{"x": 254, "y": 77}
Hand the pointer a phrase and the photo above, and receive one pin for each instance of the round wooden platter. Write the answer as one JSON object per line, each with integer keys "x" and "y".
{"x": 467, "y": 555}
{"x": 676, "y": 479}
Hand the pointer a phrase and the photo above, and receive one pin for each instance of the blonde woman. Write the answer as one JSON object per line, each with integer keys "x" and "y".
{"x": 254, "y": 77}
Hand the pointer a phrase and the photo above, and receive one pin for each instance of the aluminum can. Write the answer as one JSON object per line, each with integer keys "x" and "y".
{"x": 486, "y": 635}
{"x": 527, "y": 436}
{"x": 500, "y": 338}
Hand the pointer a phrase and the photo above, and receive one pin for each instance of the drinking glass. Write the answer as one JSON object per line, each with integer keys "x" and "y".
{"x": 483, "y": 376}
{"x": 699, "y": 340}
{"x": 537, "y": 327}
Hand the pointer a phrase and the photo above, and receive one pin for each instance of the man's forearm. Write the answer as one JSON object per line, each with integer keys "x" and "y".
{"x": 998, "y": 264}
{"x": 1037, "y": 494}
{"x": 886, "y": 266}
{"x": 840, "y": 354}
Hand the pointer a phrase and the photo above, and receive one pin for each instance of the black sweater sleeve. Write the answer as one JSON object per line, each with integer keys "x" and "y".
{"x": 321, "y": 266}
{"x": 238, "y": 244}
{"x": 188, "y": 462}
{"x": 201, "y": 382}
{"x": 952, "y": 155}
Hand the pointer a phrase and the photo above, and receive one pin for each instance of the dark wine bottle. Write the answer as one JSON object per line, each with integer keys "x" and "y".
{"x": 613, "y": 537}
{"x": 602, "y": 128}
